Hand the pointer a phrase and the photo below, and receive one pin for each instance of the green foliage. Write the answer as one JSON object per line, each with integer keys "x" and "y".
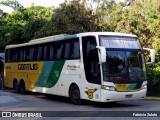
{"x": 39, "y": 25}
{"x": 141, "y": 18}
{"x": 153, "y": 77}
{"x": 20, "y": 26}
{"x": 2, "y": 14}
{"x": 72, "y": 18}
{"x": 11, "y": 27}
{"x": 31, "y": 29}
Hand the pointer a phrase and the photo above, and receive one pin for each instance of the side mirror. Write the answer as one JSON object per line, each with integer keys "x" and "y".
{"x": 102, "y": 51}
{"x": 152, "y": 54}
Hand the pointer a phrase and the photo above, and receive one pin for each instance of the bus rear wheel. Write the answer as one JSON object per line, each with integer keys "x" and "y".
{"x": 15, "y": 85}
{"x": 74, "y": 95}
{"x": 22, "y": 89}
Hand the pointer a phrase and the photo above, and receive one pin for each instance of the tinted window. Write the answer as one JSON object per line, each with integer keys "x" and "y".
{"x": 21, "y": 55}
{"x": 27, "y": 54}
{"x": 51, "y": 54}
{"x": 90, "y": 59}
{"x": 67, "y": 49}
{"x": 74, "y": 50}
{"x": 40, "y": 53}
{"x": 71, "y": 49}
{"x": 7, "y": 56}
{"x": 59, "y": 51}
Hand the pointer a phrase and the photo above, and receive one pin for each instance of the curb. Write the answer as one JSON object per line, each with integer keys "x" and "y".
{"x": 152, "y": 98}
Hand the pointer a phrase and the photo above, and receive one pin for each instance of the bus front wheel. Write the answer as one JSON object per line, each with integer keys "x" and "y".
{"x": 74, "y": 95}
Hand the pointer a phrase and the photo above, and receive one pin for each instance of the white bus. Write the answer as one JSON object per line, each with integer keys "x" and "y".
{"x": 95, "y": 66}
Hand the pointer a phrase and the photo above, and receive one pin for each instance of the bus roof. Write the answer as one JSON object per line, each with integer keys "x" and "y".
{"x": 65, "y": 37}
{"x": 106, "y": 33}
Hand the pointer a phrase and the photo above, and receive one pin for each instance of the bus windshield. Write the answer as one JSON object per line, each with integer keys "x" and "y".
{"x": 124, "y": 60}
{"x": 123, "y": 66}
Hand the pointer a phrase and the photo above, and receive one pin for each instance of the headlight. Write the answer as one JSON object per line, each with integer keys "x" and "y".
{"x": 110, "y": 88}
{"x": 144, "y": 86}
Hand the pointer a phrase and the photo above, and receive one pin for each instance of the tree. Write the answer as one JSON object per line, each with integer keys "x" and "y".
{"x": 12, "y": 3}
{"x": 2, "y": 14}
{"x": 12, "y": 25}
{"x": 72, "y": 18}
{"x": 140, "y": 18}
{"x": 32, "y": 29}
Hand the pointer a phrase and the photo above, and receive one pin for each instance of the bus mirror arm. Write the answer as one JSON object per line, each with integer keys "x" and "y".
{"x": 152, "y": 54}
{"x": 102, "y": 51}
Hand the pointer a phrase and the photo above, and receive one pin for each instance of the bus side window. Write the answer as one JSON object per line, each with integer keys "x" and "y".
{"x": 74, "y": 50}
{"x": 21, "y": 55}
{"x": 58, "y": 47}
{"x": 71, "y": 49}
{"x": 31, "y": 54}
{"x": 27, "y": 54}
{"x": 66, "y": 50}
{"x": 14, "y": 55}
{"x": 8, "y": 58}
{"x": 46, "y": 54}
{"x": 40, "y": 53}
{"x": 17, "y": 53}
{"x": 59, "y": 51}
{"x": 24, "y": 55}
{"x": 51, "y": 52}
{"x": 35, "y": 53}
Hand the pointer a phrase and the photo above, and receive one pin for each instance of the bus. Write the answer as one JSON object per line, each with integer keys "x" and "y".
{"x": 95, "y": 66}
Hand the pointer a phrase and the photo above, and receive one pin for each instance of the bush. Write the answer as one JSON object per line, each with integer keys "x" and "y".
{"x": 153, "y": 77}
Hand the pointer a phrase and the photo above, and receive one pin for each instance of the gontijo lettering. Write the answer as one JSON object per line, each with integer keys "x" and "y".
{"x": 28, "y": 66}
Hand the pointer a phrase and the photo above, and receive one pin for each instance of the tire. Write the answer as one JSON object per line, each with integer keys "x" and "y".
{"x": 1, "y": 83}
{"x": 74, "y": 95}
{"x": 22, "y": 88}
{"x": 15, "y": 85}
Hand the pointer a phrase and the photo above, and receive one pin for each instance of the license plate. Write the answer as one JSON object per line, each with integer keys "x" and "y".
{"x": 129, "y": 96}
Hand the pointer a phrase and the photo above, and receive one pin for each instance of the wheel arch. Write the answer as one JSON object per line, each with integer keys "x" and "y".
{"x": 21, "y": 80}
{"x": 14, "y": 81}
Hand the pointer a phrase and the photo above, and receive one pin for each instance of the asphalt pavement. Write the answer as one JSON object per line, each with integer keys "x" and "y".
{"x": 5, "y": 97}
{"x": 8, "y": 97}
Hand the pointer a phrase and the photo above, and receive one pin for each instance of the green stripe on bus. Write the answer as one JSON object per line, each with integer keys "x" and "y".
{"x": 138, "y": 86}
{"x": 55, "y": 73}
{"x": 134, "y": 86}
{"x": 65, "y": 37}
{"x": 46, "y": 70}
{"x": 50, "y": 73}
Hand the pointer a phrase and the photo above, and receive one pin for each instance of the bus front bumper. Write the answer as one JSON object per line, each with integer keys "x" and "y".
{"x": 111, "y": 96}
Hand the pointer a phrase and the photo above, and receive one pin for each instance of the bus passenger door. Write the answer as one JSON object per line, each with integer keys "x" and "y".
{"x": 92, "y": 83}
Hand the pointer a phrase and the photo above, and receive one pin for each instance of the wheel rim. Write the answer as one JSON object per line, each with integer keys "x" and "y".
{"x": 75, "y": 94}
